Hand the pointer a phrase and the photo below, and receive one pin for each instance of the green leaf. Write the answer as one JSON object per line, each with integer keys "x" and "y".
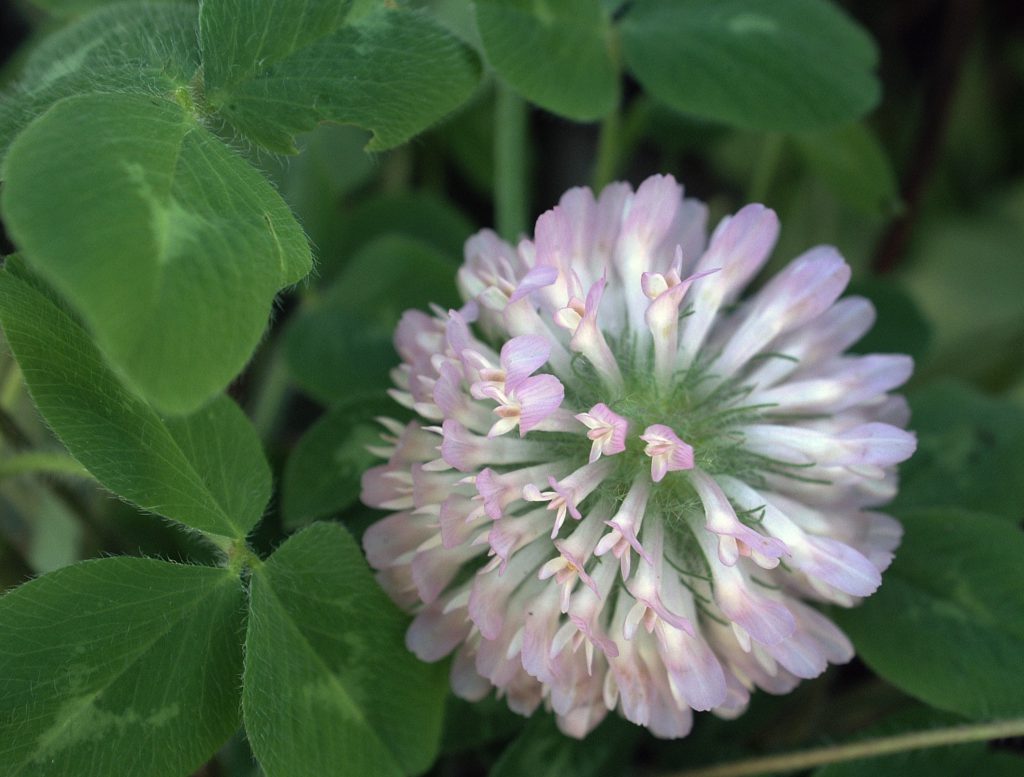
{"x": 119, "y": 667}
{"x": 206, "y": 470}
{"x": 329, "y": 687}
{"x": 421, "y": 215}
{"x": 947, "y": 625}
{"x": 753, "y": 64}
{"x": 322, "y": 475}
{"x": 975, "y": 304}
{"x": 854, "y": 165}
{"x": 333, "y": 353}
{"x": 541, "y": 750}
{"x": 170, "y": 246}
{"x": 72, "y": 8}
{"x": 275, "y": 72}
{"x": 343, "y": 342}
{"x": 556, "y": 54}
{"x": 970, "y": 452}
{"x": 331, "y": 164}
{"x": 149, "y": 48}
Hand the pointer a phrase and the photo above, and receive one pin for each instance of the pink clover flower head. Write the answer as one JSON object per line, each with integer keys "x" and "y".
{"x": 629, "y": 486}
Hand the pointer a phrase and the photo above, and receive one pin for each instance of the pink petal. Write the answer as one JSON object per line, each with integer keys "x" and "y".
{"x": 842, "y": 567}
{"x": 568, "y": 493}
{"x": 681, "y": 457}
{"x": 723, "y": 521}
{"x": 695, "y": 674}
{"x": 739, "y": 248}
{"x": 537, "y": 278}
{"x": 434, "y": 568}
{"x": 766, "y": 620}
{"x": 668, "y": 453}
{"x": 539, "y": 396}
{"x": 880, "y": 444}
{"x": 466, "y": 680}
{"x": 448, "y": 394}
{"x": 457, "y": 332}
{"x": 653, "y": 210}
{"x": 433, "y": 633}
{"x": 378, "y": 487}
{"x": 458, "y": 447}
{"x": 393, "y": 537}
{"x": 802, "y": 291}
{"x": 688, "y": 232}
{"x": 490, "y": 487}
{"x": 522, "y": 356}
{"x": 457, "y": 525}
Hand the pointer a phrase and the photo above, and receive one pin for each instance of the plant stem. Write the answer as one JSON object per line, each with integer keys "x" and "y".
{"x": 609, "y": 143}
{"x": 767, "y": 163}
{"x": 871, "y": 748}
{"x": 12, "y": 385}
{"x": 42, "y": 462}
{"x": 237, "y": 554}
{"x": 396, "y": 171}
{"x": 959, "y": 31}
{"x": 509, "y": 164}
{"x": 18, "y": 440}
{"x": 272, "y": 394}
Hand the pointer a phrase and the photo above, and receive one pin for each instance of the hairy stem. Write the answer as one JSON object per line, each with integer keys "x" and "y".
{"x": 510, "y": 164}
{"x": 853, "y": 751}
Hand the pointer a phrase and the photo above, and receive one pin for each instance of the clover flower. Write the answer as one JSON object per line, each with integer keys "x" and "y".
{"x": 625, "y": 483}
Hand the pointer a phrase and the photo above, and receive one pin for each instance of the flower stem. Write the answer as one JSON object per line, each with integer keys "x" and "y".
{"x": 609, "y": 143}
{"x": 871, "y": 748}
{"x": 509, "y": 164}
{"x": 767, "y": 163}
{"x": 272, "y": 394}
